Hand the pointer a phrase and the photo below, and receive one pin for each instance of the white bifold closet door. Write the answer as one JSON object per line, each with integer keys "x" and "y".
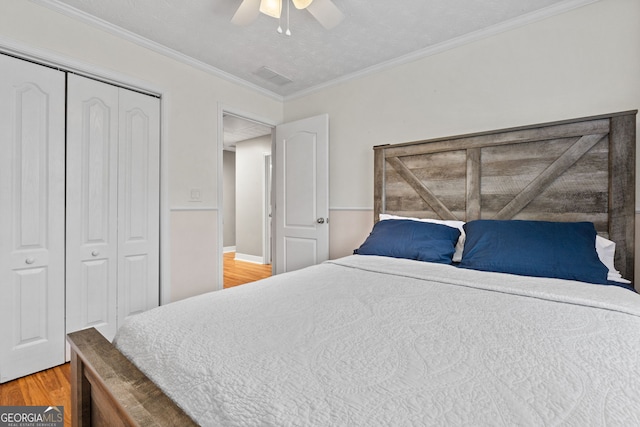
{"x": 32, "y": 187}
{"x": 112, "y": 217}
{"x": 138, "y": 204}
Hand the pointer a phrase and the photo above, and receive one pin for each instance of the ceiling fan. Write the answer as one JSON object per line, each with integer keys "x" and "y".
{"x": 327, "y": 14}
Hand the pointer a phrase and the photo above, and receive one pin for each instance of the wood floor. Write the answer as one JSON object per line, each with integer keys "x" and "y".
{"x": 46, "y": 388}
{"x": 52, "y": 387}
{"x": 240, "y": 272}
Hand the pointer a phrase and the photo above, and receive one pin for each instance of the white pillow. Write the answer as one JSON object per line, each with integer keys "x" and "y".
{"x": 457, "y": 256}
{"x": 606, "y": 250}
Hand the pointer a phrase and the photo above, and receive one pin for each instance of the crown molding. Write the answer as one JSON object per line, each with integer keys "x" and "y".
{"x": 101, "y": 24}
{"x": 520, "y": 21}
{"x": 64, "y": 63}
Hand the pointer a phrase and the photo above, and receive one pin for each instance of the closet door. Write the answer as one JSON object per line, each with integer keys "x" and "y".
{"x": 32, "y": 144}
{"x": 113, "y": 195}
{"x": 139, "y": 204}
{"x": 92, "y": 205}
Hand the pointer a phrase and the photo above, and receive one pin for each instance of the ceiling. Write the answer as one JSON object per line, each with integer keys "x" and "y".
{"x": 373, "y": 34}
{"x": 237, "y": 129}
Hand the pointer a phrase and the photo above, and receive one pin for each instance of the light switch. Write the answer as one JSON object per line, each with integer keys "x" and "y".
{"x": 196, "y": 195}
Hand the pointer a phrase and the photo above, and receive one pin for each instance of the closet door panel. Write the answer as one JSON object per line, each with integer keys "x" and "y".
{"x": 92, "y": 205}
{"x": 139, "y": 200}
{"x": 32, "y": 102}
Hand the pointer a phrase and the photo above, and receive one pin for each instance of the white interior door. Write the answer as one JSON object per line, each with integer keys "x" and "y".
{"x": 32, "y": 196}
{"x": 302, "y": 193}
{"x": 113, "y": 204}
{"x": 139, "y": 204}
{"x": 267, "y": 214}
{"x": 92, "y": 205}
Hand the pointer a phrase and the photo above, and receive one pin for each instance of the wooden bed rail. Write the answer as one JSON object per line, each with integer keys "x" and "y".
{"x": 108, "y": 390}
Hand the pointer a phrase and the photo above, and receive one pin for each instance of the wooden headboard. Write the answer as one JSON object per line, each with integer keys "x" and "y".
{"x": 573, "y": 170}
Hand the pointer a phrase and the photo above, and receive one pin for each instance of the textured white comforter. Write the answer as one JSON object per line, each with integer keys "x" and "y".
{"x": 371, "y": 341}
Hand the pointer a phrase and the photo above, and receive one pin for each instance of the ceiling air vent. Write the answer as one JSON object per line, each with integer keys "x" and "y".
{"x": 273, "y": 77}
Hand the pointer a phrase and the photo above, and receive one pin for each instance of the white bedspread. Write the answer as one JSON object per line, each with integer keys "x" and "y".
{"x": 371, "y": 341}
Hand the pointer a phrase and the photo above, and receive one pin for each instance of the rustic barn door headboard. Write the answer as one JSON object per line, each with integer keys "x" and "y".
{"x": 574, "y": 170}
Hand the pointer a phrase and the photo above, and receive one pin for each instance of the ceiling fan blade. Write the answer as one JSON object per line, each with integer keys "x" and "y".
{"x": 301, "y": 4}
{"x": 326, "y": 13}
{"x": 246, "y": 13}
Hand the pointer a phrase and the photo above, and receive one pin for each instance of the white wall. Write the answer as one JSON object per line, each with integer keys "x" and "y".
{"x": 580, "y": 63}
{"x": 229, "y": 199}
{"x": 190, "y": 112}
{"x": 250, "y": 184}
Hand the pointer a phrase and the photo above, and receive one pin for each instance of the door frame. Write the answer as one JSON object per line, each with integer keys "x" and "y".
{"x": 64, "y": 63}
{"x": 267, "y": 206}
{"x": 222, "y": 109}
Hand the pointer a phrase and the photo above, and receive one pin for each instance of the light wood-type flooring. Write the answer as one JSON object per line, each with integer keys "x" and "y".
{"x": 240, "y": 272}
{"x": 52, "y": 386}
{"x": 46, "y": 388}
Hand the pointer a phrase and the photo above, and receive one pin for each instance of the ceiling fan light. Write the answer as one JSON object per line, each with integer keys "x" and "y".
{"x": 271, "y": 7}
{"x": 301, "y": 4}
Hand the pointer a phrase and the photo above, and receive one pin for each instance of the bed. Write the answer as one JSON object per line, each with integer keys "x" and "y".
{"x": 388, "y": 337}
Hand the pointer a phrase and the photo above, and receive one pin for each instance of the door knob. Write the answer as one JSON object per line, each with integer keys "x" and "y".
{"x": 30, "y": 260}
{"x": 320, "y": 220}
{"x": 95, "y": 253}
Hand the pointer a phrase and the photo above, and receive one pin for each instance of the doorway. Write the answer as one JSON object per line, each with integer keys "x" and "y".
{"x": 246, "y": 198}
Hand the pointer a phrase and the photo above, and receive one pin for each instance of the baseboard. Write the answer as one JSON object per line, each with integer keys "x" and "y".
{"x": 229, "y": 249}
{"x": 249, "y": 258}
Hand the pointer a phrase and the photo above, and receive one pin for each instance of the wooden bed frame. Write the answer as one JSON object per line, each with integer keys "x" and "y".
{"x": 108, "y": 390}
{"x": 574, "y": 170}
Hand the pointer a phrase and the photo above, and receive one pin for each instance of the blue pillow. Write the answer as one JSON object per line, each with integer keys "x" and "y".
{"x": 422, "y": 241}
{"x": 562, "y": 250}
